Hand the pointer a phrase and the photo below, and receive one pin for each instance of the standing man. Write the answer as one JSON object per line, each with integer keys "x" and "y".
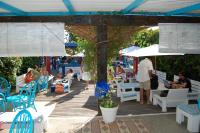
{"x": 145, "y": 68}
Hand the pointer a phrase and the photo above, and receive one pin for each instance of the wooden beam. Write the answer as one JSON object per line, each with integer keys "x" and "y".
{"x": 114, "y": 20}
{"x": 102, "y": 52}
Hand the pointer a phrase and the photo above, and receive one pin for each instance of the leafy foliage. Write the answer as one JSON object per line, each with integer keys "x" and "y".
{"x": 145, "y": 38}
{"x": 29, "y": 62}
{"x": 107, "y": 101}
{"x": 9, "y": 66}
{"x": 190, "y": 64}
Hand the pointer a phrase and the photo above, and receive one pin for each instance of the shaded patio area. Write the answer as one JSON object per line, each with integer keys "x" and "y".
{"x": 76, "y": 109}
{"x": 80, "y": 102}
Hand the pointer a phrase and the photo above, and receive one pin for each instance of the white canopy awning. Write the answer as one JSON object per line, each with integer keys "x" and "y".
{"x": 129, "y": 49}
{"x": 32, "y": 39}
{"x": 68, "y": 54}
{"x": 152, "y": 50}
{"x": 79, "y": 55}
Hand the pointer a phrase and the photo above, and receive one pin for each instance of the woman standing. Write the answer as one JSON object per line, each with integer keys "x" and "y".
{"x": 85, "y": 74}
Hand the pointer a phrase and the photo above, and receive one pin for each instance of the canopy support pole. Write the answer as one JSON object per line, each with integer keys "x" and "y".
{"x": 101, "y": 52}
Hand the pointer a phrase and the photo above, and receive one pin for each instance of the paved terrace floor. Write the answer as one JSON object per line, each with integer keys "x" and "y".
{"x": 75, "y": 109}
{"x": 80, "y": 102}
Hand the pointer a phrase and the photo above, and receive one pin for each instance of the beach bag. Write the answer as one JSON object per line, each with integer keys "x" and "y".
{"x": 59, "y": 88}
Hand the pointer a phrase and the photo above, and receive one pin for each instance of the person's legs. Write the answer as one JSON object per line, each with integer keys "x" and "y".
{"x": 87, "y": 85}
{"x": 147, "y": 89}
{"x": 141, "y": 93}
{"x": 148, "y": 95}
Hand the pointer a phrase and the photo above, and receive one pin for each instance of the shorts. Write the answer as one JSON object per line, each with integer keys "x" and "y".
{"x": 146, "y": 85}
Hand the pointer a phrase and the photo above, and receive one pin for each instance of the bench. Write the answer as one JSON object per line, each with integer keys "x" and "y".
{"x": 195, "y": 94}
{"x": 192, "y": 113}
{"x": 173, "y": 98}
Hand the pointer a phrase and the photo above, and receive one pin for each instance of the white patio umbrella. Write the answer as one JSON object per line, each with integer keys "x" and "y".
{"x": 79, "y": 55}
{"x": 152, "y": 50}
{"x": 67, "y": 54}
{"x": 129, "y": 49}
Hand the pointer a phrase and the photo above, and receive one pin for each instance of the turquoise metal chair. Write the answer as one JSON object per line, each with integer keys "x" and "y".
{"x": 22, "y": 123}
{"x": 2, "y": 102}
{"x": 26, "y": 97}
{"x": 42, "y": 83}
{"x": 5, "y": 87}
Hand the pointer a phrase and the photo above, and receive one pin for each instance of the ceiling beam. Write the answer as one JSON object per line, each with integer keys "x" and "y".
{"x": 97, "y": 13}
{"x": 68, "y": 5}
{"x": 186, "y": 9}
{"x": 113, "y": 20}
{"x": 132, "y": 6}
{"x": 11, "y": 9}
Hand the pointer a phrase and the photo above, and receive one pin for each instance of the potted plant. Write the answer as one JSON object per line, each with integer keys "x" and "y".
{"x": 108, "y": 108}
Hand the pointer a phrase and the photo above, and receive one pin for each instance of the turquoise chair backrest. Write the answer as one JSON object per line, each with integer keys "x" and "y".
{"x": 5, "y": 86}
{"x": 2, "y": 102}
{"x": 43, "y": 82}
{"x": 27, "y": 91}
{"x": 22, "y": 123}
{"x": 198, "y": 103}
{"x": 33, "y": 88}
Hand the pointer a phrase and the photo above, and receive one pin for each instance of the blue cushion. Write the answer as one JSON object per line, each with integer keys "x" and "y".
{"x": 190, "y": 109}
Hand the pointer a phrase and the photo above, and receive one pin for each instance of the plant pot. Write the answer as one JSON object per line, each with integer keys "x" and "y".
{"x": 109, "y": 114}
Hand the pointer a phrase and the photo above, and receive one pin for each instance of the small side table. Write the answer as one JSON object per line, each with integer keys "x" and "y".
{"x": 190, "y": 111}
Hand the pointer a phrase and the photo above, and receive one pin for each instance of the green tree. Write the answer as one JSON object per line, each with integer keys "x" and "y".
{"x": 29, "y": 62}
{"x": 9, "y": 66}
{"x": 145, "y": 38}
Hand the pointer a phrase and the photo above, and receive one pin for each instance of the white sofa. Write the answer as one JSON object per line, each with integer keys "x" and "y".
{"x": 174, "y": 98}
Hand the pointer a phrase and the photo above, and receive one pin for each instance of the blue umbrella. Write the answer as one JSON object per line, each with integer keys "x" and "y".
{"x": 71, "y": 45}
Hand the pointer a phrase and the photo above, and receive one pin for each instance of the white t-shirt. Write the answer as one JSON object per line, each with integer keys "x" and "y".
{"x": 143, "y": 70}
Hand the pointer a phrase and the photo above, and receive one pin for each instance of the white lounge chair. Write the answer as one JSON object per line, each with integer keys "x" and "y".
{"x": 173, "y": 98}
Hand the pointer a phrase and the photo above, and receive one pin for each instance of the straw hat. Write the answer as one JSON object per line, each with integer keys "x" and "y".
{"x": 29, "y": 69}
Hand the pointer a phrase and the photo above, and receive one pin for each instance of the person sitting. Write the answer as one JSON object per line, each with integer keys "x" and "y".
{"x": 119, "y": 70}
{"x": 183, "y": 82}
{"x": 58, "y": 76}
{"x": 69, "y": 74}
{"x": 110, "y": 76}
{"x": 43, "y": 74}
{"x": 31, "y": 75}
{"x": 43, "y": 79}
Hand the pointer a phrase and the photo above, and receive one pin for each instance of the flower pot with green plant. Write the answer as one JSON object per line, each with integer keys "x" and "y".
{"x": 108, "y": 108}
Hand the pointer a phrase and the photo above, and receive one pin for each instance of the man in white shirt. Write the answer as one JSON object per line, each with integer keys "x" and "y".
{"x": 145, "y": 68}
